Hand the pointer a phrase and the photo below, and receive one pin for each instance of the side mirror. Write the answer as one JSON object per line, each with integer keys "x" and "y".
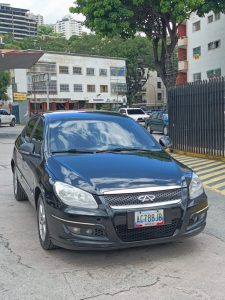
{"x": 165, "y": 142}
{"x": 26, "y": 148}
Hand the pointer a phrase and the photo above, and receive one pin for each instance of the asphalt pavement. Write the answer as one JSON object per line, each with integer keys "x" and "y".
{"x": 189, "y": 269}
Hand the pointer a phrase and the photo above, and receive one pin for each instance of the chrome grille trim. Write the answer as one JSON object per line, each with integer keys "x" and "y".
{"x": 142, "y": 190}
{"x": 150, "y": 205}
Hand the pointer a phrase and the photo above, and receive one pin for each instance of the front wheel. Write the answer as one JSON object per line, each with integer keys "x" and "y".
{"x": 165, "y": 130}
{"x": 13, "y": 122}
{"x": 43, "y": 230}
{"x": 18, "y": 190}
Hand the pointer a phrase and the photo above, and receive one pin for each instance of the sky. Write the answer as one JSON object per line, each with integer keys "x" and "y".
{"x": 51, "y": 10}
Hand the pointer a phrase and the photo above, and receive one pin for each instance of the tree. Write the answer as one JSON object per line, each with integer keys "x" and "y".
{"x": 158, "y": 19}
{"x": 4, "y": 83}
{"x": 44, "y": 30}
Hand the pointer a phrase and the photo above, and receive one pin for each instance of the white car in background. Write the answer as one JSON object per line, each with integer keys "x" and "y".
{"x": 135, "y": 113}
{"x": 7, "y": 118}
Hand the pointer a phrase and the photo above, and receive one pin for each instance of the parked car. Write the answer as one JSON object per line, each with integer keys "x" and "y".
{"x": 100, "y": 181}
{"x": 7, "y": 118}
{"x": 158, "y": 121}
{"x": 137, "y": 114}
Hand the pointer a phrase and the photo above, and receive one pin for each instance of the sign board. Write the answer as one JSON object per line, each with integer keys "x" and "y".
{"x": 19, "y": 96}
{"x": 44, "y": 77}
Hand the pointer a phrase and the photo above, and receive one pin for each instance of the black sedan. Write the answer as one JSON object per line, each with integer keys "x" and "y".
{"x": 101, "y": 181}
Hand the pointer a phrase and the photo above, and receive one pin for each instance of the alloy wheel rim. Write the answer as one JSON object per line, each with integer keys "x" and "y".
{"x": 42, "y": 221}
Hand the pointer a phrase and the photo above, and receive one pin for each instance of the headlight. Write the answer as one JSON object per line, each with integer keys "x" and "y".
{"x": 196, "y": 187}
{"x": 73, "y": 196}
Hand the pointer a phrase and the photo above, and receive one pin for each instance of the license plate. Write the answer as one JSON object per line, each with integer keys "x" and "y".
{"x": 148, "y": 218}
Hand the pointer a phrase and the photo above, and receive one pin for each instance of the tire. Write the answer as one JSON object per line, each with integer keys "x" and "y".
{"x": 13, "y": 123}
{"x": 165, "y": 130}
{"x": 19, "y": 193}
{"x": 149, "y": 129}
{"x": 43, "y": 231}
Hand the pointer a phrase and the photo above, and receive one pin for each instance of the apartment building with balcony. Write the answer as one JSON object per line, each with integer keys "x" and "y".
{"x": 16, "y": 21}
{"x": 76, "y": 82}
{"x": 68, "y": 27}
{"x": 201, "y": 48}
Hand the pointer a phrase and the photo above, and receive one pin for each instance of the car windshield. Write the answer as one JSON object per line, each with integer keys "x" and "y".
{"x": 135, "y": 112}
{"x": 75, "y": 135}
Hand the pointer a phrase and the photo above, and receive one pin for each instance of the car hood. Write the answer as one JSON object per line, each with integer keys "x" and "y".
{"x": 101, "y": 172}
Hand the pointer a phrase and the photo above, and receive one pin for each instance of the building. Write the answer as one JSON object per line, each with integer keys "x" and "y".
{"x": 153, "y": 93}
{"x": 68, "y": 26}
{"x": 76, "y": 82}
{"x": 16, "y": 21}
{"x": 38, "y": 18}
{"x": 201, "y": 48}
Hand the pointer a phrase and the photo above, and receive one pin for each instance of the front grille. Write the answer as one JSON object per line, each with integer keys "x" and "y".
{"x": 132, "y": 199}
{"x": 146, "y": 233}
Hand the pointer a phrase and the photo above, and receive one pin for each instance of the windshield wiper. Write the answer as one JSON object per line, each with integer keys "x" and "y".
{"x": 121, "y": 149}
{"x": 72, "y": 151}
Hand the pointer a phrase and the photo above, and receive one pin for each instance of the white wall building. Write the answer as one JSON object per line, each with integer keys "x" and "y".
{"x": 153, "y": 93}
{"x": 38, "y": 18}
{"x": 77, "y": 81}
{"x": 205, "y": 46}
{"x": 68, "y": 26}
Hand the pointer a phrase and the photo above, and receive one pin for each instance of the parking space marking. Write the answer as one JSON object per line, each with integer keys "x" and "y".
{"x": 211, "y": 172}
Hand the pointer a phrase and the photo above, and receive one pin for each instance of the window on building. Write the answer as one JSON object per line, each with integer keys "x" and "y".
{"x": 63, "y": 70}
{"x": 91, "y": 88}
{"x": 217, "y": 17}
{"x": 77, "y": 88}
{"x": 118, "y": 88}
{"x": 159, "y": 85}
{"x": 103, "y": 72}
{"x": 90, "y": 71}
{"x": 196, "y": 26}
{"x": 197, "y": 52}
{"x": 159, "y": 96}
{"x": 210, "y": 19}
{"x": 214, "y": 73}
{"x": 103, "y": 88}
{"x": 77, "y": 70}
{"x": 197, "y": 77}
{"x": 64, "y": 88}
{"x": 214, "y": 45}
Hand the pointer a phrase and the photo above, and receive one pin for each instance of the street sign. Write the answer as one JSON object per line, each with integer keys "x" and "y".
{"x": 19, "y": 96}
{"x": 44, "y": 77}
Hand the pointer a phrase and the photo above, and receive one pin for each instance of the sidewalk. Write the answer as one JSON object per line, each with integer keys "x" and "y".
{"x": 211, "y": 172}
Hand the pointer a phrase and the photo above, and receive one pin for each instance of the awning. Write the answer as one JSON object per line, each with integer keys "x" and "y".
{"x": 18, "y": 59}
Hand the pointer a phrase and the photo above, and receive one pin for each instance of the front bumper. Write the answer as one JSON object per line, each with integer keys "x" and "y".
{"x": 108, "y": 229}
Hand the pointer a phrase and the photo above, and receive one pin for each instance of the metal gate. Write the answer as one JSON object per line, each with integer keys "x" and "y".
{"x": 197, "y": 117}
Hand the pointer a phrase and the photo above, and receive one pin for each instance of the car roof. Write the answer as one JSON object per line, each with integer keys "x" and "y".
{"x": 59, "y": 115}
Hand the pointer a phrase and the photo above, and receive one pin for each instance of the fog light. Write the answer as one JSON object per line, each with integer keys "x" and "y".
{"x": 89, "y": 231}
{"x": 75, "y": 230}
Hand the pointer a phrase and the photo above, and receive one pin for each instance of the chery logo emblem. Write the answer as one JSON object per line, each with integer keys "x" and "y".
{"x": 146, "y": 198}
